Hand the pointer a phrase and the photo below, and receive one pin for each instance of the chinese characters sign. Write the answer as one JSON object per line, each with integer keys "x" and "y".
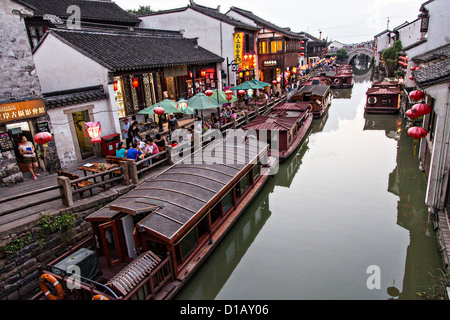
{"x": 11, "y": 111}
{"x": 238, "y": 48}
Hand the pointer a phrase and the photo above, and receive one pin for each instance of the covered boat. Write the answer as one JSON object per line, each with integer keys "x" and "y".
{"x": 150, "y": 241}
{"x": 291, "y": 121}
{"x": 318, "y": 95}
{"x": 383, "y": 97}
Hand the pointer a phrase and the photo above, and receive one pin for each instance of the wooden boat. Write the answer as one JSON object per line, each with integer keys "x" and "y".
{"x": 343, "y": 78}
{"x": 150, "y": 241}
{"x": 290, "y": 120}
{"x": 317, "y": 80}
{"x": 319, "y": 97}
{"x": 383, "y": 97}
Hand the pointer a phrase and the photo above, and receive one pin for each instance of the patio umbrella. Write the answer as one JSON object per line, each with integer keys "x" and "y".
{"x": 202, "y": 102}
{"x": 222, "y": 97}
{"x": 169, "y": 106}
{"x": 245, "y": 86}
{"x": 260, "y": 84}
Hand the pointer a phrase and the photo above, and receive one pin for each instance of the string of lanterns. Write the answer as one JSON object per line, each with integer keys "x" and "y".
{"x": 417, "y": 111}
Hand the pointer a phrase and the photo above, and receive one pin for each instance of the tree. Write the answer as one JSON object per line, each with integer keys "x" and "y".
{"x": 390, "y": 58}
{"x": 341, "y": 54}
{"x": 141, "y": 10}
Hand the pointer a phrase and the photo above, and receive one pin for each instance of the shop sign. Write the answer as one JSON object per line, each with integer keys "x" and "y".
{"x": 238, "y": 48}
{"x": 6, "y": 143}
{"x": 11, "y": 111}
{"x": 175, "y": 71}
{"x": 270, "y": 63}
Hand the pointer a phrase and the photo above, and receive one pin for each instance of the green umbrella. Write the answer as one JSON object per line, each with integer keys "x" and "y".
{"x": 260, "y": 84}
{"x": 202, "y": 102}
{"x": 222, "y": 97}
{"x": 169, "y": 106}
{"x": 245, "y": 86}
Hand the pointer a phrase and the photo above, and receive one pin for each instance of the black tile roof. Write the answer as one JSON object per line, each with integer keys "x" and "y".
{"x": 74, "y": 96}
{"x": 267, "y": 24}
{"x": 435, "y": 73}
{"x": 134, "y": 50}
{"x": 102, "y": 11}
{"x": 211, "y": 12}
{"x": 440, "y": 53}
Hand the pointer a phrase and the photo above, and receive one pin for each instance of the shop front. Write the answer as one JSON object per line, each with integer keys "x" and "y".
{"x": 17, "y": 119}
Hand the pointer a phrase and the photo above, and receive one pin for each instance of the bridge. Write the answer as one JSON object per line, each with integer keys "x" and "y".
{"x": 359, "y": 50}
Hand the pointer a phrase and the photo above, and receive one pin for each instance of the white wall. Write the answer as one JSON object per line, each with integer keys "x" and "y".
{"x": 60, "y": 67}
{"x": 212, "y": 34}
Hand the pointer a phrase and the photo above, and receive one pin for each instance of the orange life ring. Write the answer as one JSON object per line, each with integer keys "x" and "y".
{"x": 99, "y": 297}
{"x": 45, "y": 277}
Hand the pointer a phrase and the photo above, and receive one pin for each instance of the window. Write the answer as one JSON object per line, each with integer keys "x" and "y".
{"x": 244, "y": 183}
{"x": 227, "y": 202}
{"x": 256, "y": 172}
{"x": 188, "y": 243}
{"x": 264, "y": 47}
{"x": 215, "y": 213}
{"x": 276, "y": 46}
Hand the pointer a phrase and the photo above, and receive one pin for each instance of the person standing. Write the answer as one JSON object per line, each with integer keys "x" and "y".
{"x": 126, "y": 127}
{"x": 26, "y": 149}
{"x": 134, "y": 133}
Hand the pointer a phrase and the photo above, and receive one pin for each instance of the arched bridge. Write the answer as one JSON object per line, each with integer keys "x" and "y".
{"x": 359, "y": 50}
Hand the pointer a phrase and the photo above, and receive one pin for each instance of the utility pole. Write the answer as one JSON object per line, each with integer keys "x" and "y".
{"x": 387, "y": 23}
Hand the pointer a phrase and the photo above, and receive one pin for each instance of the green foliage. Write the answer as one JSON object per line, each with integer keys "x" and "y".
{"x": 390, "y": 57}
{"x": 341, "y": 54}
{"x": 17, "y": 244}
{"x": 141, "y": 10}
{"x": 63, "y": 223}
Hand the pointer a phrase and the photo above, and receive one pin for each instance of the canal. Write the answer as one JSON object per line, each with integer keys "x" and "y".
{"x": 346, "y": 210}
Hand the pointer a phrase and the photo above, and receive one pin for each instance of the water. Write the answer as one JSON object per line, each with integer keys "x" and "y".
{"x": 352, "y": 197}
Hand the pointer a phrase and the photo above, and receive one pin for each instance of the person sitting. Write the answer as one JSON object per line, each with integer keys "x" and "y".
{"x": 160, "y": 142}
{"x": 134, "y": 153}
{"x": 120, "y": 151}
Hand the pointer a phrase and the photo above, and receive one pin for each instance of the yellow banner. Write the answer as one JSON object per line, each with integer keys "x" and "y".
{"x": 238, "y": 48}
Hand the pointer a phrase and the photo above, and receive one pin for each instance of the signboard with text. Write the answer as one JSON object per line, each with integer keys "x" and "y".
{"x": 11, "y": 111}
{"x": 238, "y": 48}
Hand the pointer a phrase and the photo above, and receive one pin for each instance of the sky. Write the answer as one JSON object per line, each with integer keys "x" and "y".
{"x": 347, "y": 21}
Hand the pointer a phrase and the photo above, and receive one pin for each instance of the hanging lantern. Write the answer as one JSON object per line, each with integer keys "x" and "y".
{"x": 417, "y": 133}
{"x": 115, "y": 86}
{"x": 417, "y": 95}
{"x": 94, "y": 129}
{"x": 250, "y": 93}
{"x": 159, "y": 110}
{"x": 43, "y": 138}
{"x": 302, "y": 42}
{"x": 203, "y": 73}
{"x": 302, "y": 48}
{"x": 411, "y": 77}
{"x": 412, "y": 68}
{"x": 182, "y": 105}
{"x": 411, "y": 114}
{"x": 302, "y": 53}
{"x": 274, "y": 81}
{"x": 229, "y": 95}
{"x": 403, "y": 58}
{"x": 241, "y": 92}
{"x": 135, "y": 82}
{"x": 421, "y": 109}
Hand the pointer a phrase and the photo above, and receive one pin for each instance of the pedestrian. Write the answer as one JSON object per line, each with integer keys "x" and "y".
{"x": 120, "y": 151}
{"x": 134, "y": 133}
{"x": 126, "y": 127}
{"x": 172, "y": 121}
{"x": 26, "y": 149}
{"x": 134, "y": 153}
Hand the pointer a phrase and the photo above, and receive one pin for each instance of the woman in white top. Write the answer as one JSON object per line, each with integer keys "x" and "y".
{"x": 26, "y": 149}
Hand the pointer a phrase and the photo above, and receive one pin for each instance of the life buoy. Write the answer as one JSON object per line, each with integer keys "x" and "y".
{"x": 99, "y": 297}
{"x": 336, "y": 81}
{"x": 43, "y": 279}
{"x": 372, "y": 100}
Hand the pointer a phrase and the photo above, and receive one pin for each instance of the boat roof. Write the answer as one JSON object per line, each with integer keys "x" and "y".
{"x": 179, "y": 196}
{"x": 382, "y": 91}
{"x": 281, "y": 118}
{"x": 316, "y": 89}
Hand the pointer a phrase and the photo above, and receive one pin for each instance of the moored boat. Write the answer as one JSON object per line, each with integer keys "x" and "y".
{"x": 291, "y": 121}
{"x": 150, "y": 241}
{"x": 319, "y": 97}
{"x": 383, "y": 97}
{"x": 343, "y": 78}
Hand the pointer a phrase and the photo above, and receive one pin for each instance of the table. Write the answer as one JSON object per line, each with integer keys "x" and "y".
{"x": 96, "y": 167}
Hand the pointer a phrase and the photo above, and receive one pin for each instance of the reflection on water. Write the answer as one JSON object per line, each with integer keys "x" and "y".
{"x": 349, "y": 198}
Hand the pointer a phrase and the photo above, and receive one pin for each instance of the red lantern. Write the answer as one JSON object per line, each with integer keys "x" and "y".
{"x": 403, "y": 58}
{"x": 209, "y": 93}
{"x": 417, "y": 95}
{"x": 241, "y": 92}
{"x": 417, "y": 133}
{"x": 159, "y": 110}
{"x": 411, "y": 114}
{"x": 274, "y": 81}
{"x": 411, "y": 77}
{"x": 302, "y": 48}
{"x": 302, "y": 53}
{"x": 43, "y": 138}
{"x": 229, "y": 95}
{"x": 135, "y": 82}
{"x": 421, "y": 109}
{"x": 302, "y": 42}
{"x": 115, "y": 86}
{"x": 203, "y": 73}
{"x": 94, "y": 129}
{"x": 413, "y": 68}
